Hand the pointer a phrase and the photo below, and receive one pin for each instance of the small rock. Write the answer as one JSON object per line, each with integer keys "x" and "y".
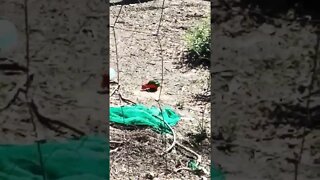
{"x": 267, "y": 29}
{"x": 113, "y": 74}
{"x": 150, "y": 175}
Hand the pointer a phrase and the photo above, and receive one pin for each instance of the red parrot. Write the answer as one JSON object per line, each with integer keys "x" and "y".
{"x": 151, "y": 86}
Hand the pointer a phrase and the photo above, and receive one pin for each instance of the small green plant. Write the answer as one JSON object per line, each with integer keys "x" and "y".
{"x": 198, "y": 42}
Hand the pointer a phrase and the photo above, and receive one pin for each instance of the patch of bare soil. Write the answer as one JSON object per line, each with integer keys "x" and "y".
{"x": 263, "y": 67}
{"x": 139, "y": 156}
{"x": 66, "y": 71}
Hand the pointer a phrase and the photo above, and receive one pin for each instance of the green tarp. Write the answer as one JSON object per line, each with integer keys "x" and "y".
{"x": 216, "y": 174}
{"x": 86, "y": 158}
{"x": 142, "y": 115}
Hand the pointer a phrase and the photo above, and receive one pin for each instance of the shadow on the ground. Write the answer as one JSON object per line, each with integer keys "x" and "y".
{"x": 277, "y": 7}
{"x": 192, "y": 60}
{"x": 295, "y": 115}
{"x": 203, "y": 97}
{"x": 129, "y": 127}
{"x": 126, "y": 2}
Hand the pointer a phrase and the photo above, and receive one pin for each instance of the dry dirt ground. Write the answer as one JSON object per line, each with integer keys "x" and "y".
{"x": 185, "y": 89}
{"x": 66, "y": 67}
{"x": 262, "y": 68}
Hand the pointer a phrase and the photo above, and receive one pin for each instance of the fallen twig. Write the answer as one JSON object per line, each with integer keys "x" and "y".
{"x": 202, "y": 169}
{"x": 20, "y": 90}
{"x": 183, "y": 168}
{"x": 116, "y": 89}
{"x": 114, "y": 150}
{"x": 126, "y": 100}
{"x": 116, "y": 142}
{"x": 191, "y": 151}
{"x": 48, "y": 122}
{"x": 174, "y": 138}
{"x": 13, "y": 99}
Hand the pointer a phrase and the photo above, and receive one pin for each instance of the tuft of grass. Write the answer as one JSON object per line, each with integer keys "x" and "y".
{"x": 198, "y": 43}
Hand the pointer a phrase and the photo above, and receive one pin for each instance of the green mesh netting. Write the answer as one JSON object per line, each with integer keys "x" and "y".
{"x": 216, "y": 174}
{"x": 142, "y": 115}
{"x": 86, "y": 158}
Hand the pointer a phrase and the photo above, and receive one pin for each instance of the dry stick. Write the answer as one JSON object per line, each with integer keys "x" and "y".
{"x": 174, "y": 138}
{"x": 116, "y": 142}
{"x": 117, "y": 56}
{"x": 183, "y": 147}
{"x": 296, "y": 170}
{"x": 116, "y": 89}
{"x": 13, "y": 99}
{"x": 28, "y": 83}
{"x": 48, "y": 122}
{"x": 162, "y": 79}
{"x": 126, "y": 100}
{"x": 114, "y": 150}
{"x": 189, "y": 169}
{"x": 117, "y": 60}
{"x": 191, "y": 151}
{"x": 115, "y": 43}
{"x": 197, "y": 162}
